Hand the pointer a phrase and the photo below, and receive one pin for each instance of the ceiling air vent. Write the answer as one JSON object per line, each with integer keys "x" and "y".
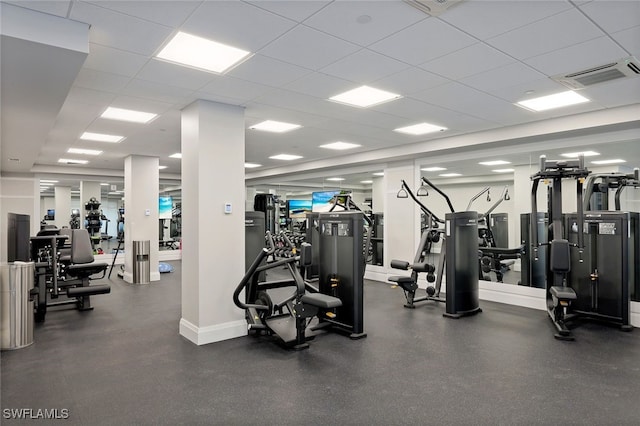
{"x": 433, "y": 7}
{"x": 624, "y": 68}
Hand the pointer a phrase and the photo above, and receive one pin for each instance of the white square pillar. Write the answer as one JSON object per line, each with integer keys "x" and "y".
{"x": 212, "y": 240}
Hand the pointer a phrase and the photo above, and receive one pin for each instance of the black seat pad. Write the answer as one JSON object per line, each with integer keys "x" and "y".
{"x": 85, "y": 270}
{"x": 563, "y": 293}
{"x": 320, "y": 300}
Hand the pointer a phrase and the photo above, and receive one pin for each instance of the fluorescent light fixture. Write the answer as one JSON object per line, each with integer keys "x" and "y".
{"x": 176, "y": 155}
{"x": 252, "y": 165}
{"x": 503, "y": 170}
{"x": 557, "y": 100}
{"x": 613, "y": 161}
{"x": 340, "y": 145}
{"x": 104, "y": 184}
{"x": 494, "y": 163}
{"x": 99, "y": 137}
{"x": 46, "y": 184}
{"x": 275, "y": 126}
{"x": 366, "y": 181}
{"x": 114, "y": 193}
{"x": 133, "y": 116}
{"x": 48, "y": 181}
{"x": 84, "y": 151}
{"x": 162, "y": 167}
{"x": 420, "y": 129}
{"x": 285, "y": 157}
{"x": 336, "y": 179}
{"x": 198, "y": 52}
{"x": 433, "y": 169}
{"x": 72, "y": 161}
{"x": 379, "y": 174}
{"x": 450, "y": 174}
{"x": 577, "y": 154}
{"x": 365, "y": 96}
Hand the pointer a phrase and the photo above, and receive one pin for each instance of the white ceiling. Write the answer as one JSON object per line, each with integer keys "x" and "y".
{"x": 463, "y": 70}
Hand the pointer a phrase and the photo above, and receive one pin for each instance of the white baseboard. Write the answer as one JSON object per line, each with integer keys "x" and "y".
{"x": 511, "y": 294}
{"x": 212, "y": 333}
{"x": 166, "y": 255}
{"x": 635, "y": 314}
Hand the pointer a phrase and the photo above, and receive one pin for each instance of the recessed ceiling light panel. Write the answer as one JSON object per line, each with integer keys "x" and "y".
{"x": 366, "y": 181}
{"x": 365, "y": 96}
{"x": 198, "y": 52}
{"x": 133, "y": 116}
{"x": 176, "y": 155}
{"x": 340, "y": 145}
{"x": 285, "y": 157}
{"x": 433, "y": 169}
{"x": 72, "y": 161}
{"x": 577, "y": 154}
{"x": 48, "y": 181}
{"x": 275, "y": 126}
{"x": 494, "y": 163}
{"x": 252, "y": 165}
{"x": 557, "y": 100}
{"x": 613, "y": 161}
{"x": 336, "y": 179}
{"x": 162, "y": 167}
{"x": 100, "y": 137}
{"x": 450, "y": 174}
{"x": 502, "y": 170}
{"x": 420, "y": 129}
{"x": 84, "y": 151}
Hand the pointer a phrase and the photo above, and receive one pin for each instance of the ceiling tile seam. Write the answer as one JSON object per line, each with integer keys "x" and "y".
{"x": 100, "y": 5}
{"x": 606, "y": 33}
{"x": 256, "y": 5}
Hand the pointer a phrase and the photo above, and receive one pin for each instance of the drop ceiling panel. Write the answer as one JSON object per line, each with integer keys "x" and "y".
{"x": 410, "y": 81}
{"x": 630, "y": 40}
{"x": 486, "y": 19}
{"x": 235, "y": 88}
{"x": 616, "y": 93}
{"x": 236, "y": 23}
{"x": 379, "y": 19}
{"x": 268, "y": 71}
{"x": 80, "y": 97}
{"x": 175, "y": 75}
{"x": 52, "y": 7}
{"x": 613, "y": 16}
{"x": 107, "y": 59}
{"x": 506, "y": 76}
{"x": 518, "y": 92}
{"x": 558, "y": 31}
{"x": 320, "y": 85}
{"x": 169, "y": 13}
{"x": 468, "y": 61}
{"x": 296, "y": 10}
{"x": 416, "y": 111}
{"x": 364, "y": 66}
{"x": 578, "y": 57}
{"x": 120, "y": 31}
{"x": 177, "y": 96}
{"x": 102, "y": 81}
{"x": 309, "y": 48}
{"x": 424, "y": 41}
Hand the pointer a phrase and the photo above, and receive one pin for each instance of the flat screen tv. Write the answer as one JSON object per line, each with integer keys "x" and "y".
{"x": 321, "y": 201}
{"x": 298, "y": 209}
{"x": 165, "y": 207}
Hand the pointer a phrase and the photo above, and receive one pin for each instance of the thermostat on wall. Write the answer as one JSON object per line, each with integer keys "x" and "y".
{"x": 227, "y": 208}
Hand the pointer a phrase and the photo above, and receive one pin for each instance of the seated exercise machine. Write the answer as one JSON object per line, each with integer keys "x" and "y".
{"x": 64, "y": 270}
{"x": 457, "y": 257}
{"x": 290, "y": 319}
{"x": 595, "y": 283}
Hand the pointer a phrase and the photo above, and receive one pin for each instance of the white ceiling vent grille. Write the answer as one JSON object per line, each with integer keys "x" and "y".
{"x": 433, "y": 7}
{"x": 624, "y": 68}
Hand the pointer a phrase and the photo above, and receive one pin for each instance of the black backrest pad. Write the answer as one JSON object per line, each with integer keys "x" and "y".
{"x": 560, "y": 256}
{"x": 306, "y": 256}
{"x": 81, "y": 250}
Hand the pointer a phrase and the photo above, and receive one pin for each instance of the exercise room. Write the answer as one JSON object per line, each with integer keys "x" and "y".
{"x": 367, "y": 212}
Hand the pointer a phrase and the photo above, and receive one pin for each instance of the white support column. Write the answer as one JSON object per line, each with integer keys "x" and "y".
{"x": 400, "y": 227}
{"x": 88, "y": 189}
{"x": 377, "y": 195}
{"x": 212, "y": 240}
{"x": 22, "y": 196}
{"x": 141, "y": 191}
{"x": 63, "y": 205}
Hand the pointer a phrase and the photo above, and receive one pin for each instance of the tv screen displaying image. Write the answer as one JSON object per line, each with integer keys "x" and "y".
{"x": 298, "y": 209}
{"x": 165, "y": 207}
{"x": 51, "y": 214}
{"x": 321, "y": 201}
